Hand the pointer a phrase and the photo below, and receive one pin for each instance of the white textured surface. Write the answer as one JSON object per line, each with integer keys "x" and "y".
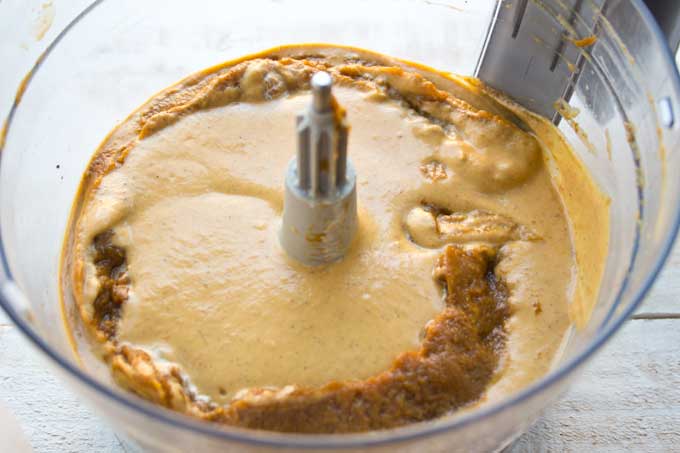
{"x": 52, "y": 418}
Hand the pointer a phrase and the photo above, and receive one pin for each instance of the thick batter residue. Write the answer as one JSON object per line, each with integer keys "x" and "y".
{"x": 456, "y": 290}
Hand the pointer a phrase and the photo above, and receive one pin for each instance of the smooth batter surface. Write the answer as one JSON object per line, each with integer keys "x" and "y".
{"x": 260, "y": 318}
{"x": 191, "y": 191}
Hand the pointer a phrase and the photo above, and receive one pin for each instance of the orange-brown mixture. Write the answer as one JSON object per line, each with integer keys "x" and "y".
{"x": 455, "y": 293}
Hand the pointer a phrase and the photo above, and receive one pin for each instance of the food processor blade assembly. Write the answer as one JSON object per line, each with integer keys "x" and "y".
{"x": 320, "y": 208}
{"x": 536, "y": 50}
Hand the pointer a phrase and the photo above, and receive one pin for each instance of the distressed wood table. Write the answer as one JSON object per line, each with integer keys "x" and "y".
{"x": 628, "y": 397}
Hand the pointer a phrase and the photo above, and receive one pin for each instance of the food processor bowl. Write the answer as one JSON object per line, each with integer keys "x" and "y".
{"x": 116, "y": 54}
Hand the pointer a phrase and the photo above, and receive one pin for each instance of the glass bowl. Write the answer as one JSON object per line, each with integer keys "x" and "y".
{"x": 116, "y": 54}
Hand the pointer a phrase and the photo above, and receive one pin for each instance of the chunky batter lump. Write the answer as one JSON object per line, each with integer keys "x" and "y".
{"x": 455, "y": 291}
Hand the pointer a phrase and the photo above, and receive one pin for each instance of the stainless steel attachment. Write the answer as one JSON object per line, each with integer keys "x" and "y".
{"x": 536, "y": 50}
{"x": 320, "y": 207}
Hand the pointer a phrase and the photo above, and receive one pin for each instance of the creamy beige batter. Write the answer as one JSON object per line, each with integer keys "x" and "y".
{"x": 197, "y": 202}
